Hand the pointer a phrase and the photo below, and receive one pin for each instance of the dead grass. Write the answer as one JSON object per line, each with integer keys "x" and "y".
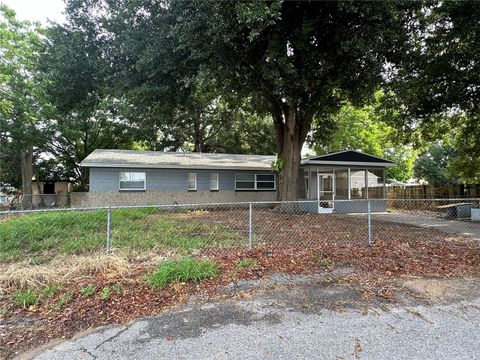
{"x": 61, "y": 271}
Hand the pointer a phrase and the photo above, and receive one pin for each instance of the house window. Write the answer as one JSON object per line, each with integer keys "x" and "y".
{"x": 265, "y": 182}
{"x": 214, "y": 182}
{"x": 254, "y": 182}
{"x": 132, "y": 181}
{"x": 192, "y": 181}
{"x": 244, "y": 181}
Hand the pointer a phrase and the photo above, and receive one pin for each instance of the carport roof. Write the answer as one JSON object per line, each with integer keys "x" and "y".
{"x": 348, "y": 158}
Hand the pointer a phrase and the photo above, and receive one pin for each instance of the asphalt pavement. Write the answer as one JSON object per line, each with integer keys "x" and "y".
{"x": 270, "y": 328}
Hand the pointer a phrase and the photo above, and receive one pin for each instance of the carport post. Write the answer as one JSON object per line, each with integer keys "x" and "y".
{"x": 250, "y": 226}
{"x": 107, "y": 251}
{"x": 369, "y": 216}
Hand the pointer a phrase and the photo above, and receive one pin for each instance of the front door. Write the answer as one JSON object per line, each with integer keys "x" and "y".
{"x": 325, "y": 192}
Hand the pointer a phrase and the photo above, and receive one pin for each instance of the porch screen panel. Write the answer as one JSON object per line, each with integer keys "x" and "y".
{"x": 357, "y": 180}
{"x": 375, "y": 183}
{"x": 341, "y": 184}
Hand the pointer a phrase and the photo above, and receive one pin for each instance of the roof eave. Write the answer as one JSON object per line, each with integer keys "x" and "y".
{"x": 349, "y": 163}
{"x": 151, "y": 166}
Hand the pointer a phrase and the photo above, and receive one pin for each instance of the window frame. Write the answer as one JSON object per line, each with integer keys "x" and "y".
{"x": 132, "y": 172}
{"x": 188, "y": 181}
{"x": 255, "y": 181}
{"x": 217, "y": 180}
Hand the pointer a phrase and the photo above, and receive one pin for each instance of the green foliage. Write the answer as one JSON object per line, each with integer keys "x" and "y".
{"x": 105, "y": 294}
{"x": 65, "y": 299}
{"x": 183, "y": 270}
{"x": 436, "y": 87}
{"x": 433, "y": 165}
{"x": 279, "y": 163}
{"x": 50, "y": 291}
{"x": 88, "y": 290}
{"x": 367, "y": 129}
{"x": 26, "y": 298}
{"x": 23, "y": 104}
{"x": 246, "y": 263}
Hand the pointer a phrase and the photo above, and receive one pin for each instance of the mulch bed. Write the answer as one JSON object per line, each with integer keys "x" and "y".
{"x": 377, "y": 268}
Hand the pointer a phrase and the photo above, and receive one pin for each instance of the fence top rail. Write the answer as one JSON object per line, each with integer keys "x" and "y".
{"x": 219, "y": 204}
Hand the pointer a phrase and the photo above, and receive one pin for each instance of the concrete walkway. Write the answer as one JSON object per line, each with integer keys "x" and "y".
{"x": 255, "y": 329}
{"x": 469, "y": 228}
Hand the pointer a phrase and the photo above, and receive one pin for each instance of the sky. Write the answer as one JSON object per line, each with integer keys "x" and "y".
{"x": 37, "y": 10}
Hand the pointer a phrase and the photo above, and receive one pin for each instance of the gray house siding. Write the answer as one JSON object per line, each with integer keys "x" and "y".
{"x": 166, "y": 187}
{"x": 107, "y": 179}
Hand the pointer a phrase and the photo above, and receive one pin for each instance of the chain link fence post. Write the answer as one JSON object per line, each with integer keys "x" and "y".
{"x": 369, "y": 216}
{"x": 107, "y": 251}
{"x": 250, "y": 226}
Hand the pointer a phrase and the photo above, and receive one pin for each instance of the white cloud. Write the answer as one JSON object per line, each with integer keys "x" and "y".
{"x": 37, "y": 10}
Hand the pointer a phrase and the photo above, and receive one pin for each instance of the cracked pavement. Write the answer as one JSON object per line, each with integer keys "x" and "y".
{"x": 285, "y": 323}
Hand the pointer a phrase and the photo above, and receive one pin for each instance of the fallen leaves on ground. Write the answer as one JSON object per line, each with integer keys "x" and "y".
{"x": 376, "y": 269}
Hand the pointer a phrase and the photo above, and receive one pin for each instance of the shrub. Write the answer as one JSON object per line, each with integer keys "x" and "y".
{"x": 26, "y": 298}
{"x": 185, "y": 269}
{"x": 105, "y": 294}
{"x": 65, "y": 299}
{"x": 88, "y": 290}
{"x": 246, "y": 263}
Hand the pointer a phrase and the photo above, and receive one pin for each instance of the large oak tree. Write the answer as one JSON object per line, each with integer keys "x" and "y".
{"x": 298, "y": 60}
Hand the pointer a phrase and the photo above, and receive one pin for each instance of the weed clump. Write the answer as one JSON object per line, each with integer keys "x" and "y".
{"x": 183, "y": 270}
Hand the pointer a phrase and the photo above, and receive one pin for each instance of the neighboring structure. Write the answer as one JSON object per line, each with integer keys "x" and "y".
{"x": 51, "y": 193}
{"x": 126, "y": 177}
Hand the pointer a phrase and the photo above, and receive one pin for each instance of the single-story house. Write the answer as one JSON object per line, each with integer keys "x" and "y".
{"x": 128, "y": 177}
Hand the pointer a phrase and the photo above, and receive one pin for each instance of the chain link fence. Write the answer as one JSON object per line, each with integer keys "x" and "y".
{"x": 169, "y": 230}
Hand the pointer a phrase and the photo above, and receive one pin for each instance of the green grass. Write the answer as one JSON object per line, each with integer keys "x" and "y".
{"x": 50, "y": 291}
{"x": 88, "y": 290}
{"x": 246, "y": 263}
{"x": 65, "y": 299}
{"x": 105, "y": 294}
{"x": 183, "y": 270}
{"x": 26, "y": 298}
{"x": 40, "y": 235}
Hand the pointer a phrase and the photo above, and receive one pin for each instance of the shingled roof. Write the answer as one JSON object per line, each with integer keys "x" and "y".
{"x": 160, "y": 159}
{"x": 348, "y": 157}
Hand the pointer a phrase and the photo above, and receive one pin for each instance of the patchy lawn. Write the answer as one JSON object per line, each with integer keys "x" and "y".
{"x": 40, "y": 236}
{"x": 49, "y": 296}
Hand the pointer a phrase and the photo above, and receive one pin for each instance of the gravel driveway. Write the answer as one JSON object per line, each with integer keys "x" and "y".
{"x": 311, "y": 319}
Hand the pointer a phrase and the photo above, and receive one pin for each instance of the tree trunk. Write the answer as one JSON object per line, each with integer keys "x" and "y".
{"x": 198, "y": 131}
{"x": 40, "y": 192}
{"x": 290, "y": 133}
{"x": 26, "y": 158}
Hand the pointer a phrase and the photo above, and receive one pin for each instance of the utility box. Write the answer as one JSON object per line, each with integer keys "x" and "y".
{"x": 475, "y": 214}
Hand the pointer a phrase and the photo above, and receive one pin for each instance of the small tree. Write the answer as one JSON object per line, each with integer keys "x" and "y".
{"x": 22, "y": 101}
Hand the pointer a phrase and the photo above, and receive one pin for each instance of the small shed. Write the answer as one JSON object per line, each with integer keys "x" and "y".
{"x": 346, "y": 175}
{"x": 51, "y": 193}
